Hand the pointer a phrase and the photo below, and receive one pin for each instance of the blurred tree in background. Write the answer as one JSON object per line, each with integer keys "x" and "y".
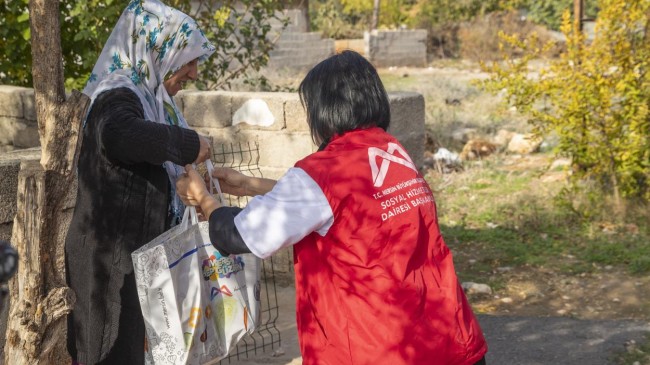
{"x": 241, "y": 31}
{"x": 341, "y": 19}
{"x": 549, "y": 12}
{"x": 443, "y": 19}
{"x": 595, "y": 98}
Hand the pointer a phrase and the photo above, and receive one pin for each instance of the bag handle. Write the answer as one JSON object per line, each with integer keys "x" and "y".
{"x": 190, "y": 217}
{"x": 214, "y": 182}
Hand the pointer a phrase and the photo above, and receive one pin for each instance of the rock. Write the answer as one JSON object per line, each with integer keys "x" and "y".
{"x": 506, "y": 300}
{"x": 476, "y": 288}
{"x": 452, "y": 101}
{"x": 444, "y": 161}
{"x": 477, "y": 148}
{"x": 502, "y": 138}
{"x": 464, "y": 134}
{"x": 524, "y": 144}
{"x": 560, "y": 163}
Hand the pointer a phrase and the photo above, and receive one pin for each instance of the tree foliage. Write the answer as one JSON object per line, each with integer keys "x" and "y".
{"x": 241, "y": 30}
{"x": 549, "y": 12}
{"x": 595, "y": 97}
{"x": 350, "y": 18}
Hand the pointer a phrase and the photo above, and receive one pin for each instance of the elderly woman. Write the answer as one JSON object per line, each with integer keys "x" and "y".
{"x": 375, "y": 282}
{"x": 135, "y": 142}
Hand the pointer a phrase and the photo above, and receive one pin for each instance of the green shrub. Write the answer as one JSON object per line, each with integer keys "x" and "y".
{"x": 595, "y": 97}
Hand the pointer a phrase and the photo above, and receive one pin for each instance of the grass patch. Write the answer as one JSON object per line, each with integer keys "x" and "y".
{"x": 636, "y": 353}
{"x": 506, "y": 217}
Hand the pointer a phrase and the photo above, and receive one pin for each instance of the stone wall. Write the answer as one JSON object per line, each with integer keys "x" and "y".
{"x": 295, "y": 47}
{"x": 298, "y": 49}
{"x": 18, "y": 127}
{"x": 385, "y": 48}
{"x": 280, "y": 144}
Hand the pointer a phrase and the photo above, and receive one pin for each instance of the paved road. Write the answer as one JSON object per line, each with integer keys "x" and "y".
{"x": 511, "y": 340}
{"x": 557, "y": 340}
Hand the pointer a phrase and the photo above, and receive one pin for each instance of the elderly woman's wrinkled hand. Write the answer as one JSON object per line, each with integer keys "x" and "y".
{"x": 190, "y": 187}
{"x": 204, "y": 150}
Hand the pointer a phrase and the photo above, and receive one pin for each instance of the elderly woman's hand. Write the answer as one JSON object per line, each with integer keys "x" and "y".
{"x": 191, "y": 187}
{"x": 204, "y": 150}
{"x": 192, "y": 191}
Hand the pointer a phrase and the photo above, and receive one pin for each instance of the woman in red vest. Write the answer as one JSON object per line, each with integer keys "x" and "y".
{"x": 375, "y": 282}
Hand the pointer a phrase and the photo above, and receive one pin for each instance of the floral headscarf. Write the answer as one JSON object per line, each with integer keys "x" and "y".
{"x": 149, "y": 43}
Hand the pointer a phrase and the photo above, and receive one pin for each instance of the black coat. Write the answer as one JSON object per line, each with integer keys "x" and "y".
{"x": 122, "y": 203}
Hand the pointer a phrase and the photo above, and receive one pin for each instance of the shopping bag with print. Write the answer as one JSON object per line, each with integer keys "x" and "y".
{"x": 196, "y": 303}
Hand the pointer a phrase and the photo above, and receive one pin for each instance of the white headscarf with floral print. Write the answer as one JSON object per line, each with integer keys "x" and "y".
{"x": 150, "y": 42}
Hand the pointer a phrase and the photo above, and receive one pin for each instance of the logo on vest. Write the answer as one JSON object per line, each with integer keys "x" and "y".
{"x": 388, "y": 156}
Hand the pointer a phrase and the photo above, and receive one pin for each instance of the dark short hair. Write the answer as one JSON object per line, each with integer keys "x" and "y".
{"x": 343, "y": 93}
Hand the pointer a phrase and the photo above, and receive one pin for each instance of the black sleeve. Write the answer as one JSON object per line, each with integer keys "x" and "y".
{"x": 127, "y": 137}
{"x": 223, "y": 232}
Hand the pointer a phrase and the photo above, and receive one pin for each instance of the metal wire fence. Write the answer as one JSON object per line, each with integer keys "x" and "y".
{"x": 244, "y": 157}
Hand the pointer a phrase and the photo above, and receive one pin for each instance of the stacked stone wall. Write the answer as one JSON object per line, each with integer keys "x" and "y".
{"x": 18, "y": 128}
{"x": 210, "y": 113}
{"x": 386, "y": 48}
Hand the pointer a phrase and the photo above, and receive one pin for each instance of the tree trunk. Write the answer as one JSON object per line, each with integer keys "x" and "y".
{"x": 375, "y": 15}
{"x": 39, "y": 299}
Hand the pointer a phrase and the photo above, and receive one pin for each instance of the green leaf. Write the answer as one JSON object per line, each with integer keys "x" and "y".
{"x": 23, "y": 17}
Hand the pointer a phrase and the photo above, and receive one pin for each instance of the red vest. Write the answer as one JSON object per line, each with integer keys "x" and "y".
{"x": 380, "y": 286}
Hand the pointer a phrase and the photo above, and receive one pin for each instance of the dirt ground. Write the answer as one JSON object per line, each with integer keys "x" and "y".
{"x": 607, "y": 293}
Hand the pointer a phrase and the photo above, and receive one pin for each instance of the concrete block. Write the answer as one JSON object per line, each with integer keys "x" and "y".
{"x": 11, "y": 103}
{"x": 8, "y": 188}
{"x": 207, "y": 108}
{"x": 407, "y": 112}
{"x": 26, "y": 135}
{"x": 295, "y": 116}
{"x": 407, "y": 122}
{"x": 276, "y": 150}
{"x": 29, "y": 104}
{"x": 9, "y": 168}
{"x": 283, "y": 150}
{"x": 8, "y": 128}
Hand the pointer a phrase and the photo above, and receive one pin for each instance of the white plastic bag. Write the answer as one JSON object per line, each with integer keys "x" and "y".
{"x": 196, "y": 303}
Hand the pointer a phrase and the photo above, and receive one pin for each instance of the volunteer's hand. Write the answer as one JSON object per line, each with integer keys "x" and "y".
{"x": 204, "y": 150}
{"x": 231, "y": 181}
{"x": 191, "y": 188}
